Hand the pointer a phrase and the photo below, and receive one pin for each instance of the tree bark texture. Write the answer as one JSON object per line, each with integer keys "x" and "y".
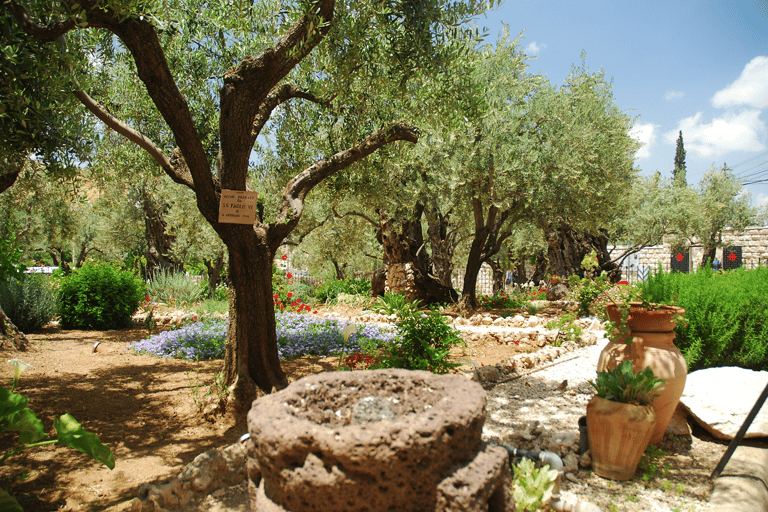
{"x": 566, "y": 249}
{"x": 443, "y": 241}
{"x": 489, "y": 235}
{"x": 159, "y": 242}
{"x": 408, "y": 262}
{"x": 9, "y": 332}
{"x": 251, "y": 358}
{"x": 497, "y": 274}
{"x": 214, "y": 268}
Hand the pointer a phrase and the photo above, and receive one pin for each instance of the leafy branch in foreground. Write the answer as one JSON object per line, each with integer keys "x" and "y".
{"x": 16, "y": 416}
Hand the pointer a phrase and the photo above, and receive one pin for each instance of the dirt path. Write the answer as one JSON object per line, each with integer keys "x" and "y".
{"x": 143, "y": 407}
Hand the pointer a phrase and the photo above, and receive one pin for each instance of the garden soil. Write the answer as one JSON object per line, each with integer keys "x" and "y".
{"x": 145, "y": 408}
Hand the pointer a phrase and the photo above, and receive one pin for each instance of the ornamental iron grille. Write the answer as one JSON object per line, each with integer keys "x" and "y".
{"x": 732, "y": 257}
{"x": 680, "y": 261}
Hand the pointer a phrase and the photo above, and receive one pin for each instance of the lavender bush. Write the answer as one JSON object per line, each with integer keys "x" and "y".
{"x": 297, "y": 335}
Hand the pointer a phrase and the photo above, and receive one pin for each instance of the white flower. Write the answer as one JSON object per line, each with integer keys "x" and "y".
{"x": 348, "y": 330}
{"x": 18, "y": 367}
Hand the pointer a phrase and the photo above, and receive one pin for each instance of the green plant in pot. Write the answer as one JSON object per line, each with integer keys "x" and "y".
{"x": 643, "y": 332}
{"x": 621, "y": 419}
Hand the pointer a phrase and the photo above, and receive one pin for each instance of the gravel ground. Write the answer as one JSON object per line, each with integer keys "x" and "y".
{"x": 540, "y": 410}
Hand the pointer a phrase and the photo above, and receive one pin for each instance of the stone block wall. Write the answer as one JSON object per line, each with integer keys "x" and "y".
{"x": 753, "y": 241}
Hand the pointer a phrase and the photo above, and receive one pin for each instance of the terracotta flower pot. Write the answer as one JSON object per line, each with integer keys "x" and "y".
{"x": 650, "y": 343}
{"x": 618, "y": 435}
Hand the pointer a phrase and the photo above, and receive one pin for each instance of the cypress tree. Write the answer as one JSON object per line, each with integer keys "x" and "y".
{"x": 678, "y": 174}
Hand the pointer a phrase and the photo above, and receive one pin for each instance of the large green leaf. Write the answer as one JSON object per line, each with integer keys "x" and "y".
{"x": 8, "y": 503}
{"x": 15, "y": 415}
{"x": 72, "y": 434}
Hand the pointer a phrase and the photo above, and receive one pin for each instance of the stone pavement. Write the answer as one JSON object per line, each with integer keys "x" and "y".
{"x": 743, "y": 484}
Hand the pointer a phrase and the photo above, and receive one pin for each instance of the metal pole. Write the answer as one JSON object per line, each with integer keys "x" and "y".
{"x": 736, "y": 441}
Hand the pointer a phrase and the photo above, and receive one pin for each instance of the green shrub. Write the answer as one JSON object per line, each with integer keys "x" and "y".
{"x": 99, "y": 296}
{"x": 726, "y": 315}
{"x": 329, "y": 291}
{"x": 30, "y": 302}
{"x": 426, "y": 342}
{"x": 175, "y": 288}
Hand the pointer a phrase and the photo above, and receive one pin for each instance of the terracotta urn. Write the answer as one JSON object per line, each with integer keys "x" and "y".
{"x": 618, "y": 435}
{"x": 650, "y": 342}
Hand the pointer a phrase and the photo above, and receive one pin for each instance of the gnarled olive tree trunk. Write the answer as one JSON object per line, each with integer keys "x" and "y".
{"x": 408, "y": 263}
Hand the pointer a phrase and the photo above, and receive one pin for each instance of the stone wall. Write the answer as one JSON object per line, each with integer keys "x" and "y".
{"x": 753, "y": 241}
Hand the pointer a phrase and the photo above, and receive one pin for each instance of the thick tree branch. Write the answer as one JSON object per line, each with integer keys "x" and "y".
{"x": 7, "y": 179}
{"x": 280, "y": 94}
{"x": 247, "y": 85}
{"x": 129, "y": 133}
{"x": 297, "y": 189}
{"x": 373, "y": 222}
{"x": 45, "y": 33}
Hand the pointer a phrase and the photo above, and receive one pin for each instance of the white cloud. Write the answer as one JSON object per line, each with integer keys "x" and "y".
{"x": 674, "y": 95}
{"x": 731, "y": 132}
{"x": 761, "y": 200}
{"x": 645, "y": 134}
{"x": 534, "y": 48}
{"x": 751, "y": 88}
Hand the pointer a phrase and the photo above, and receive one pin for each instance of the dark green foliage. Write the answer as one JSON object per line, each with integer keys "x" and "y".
{"x": 99, "y": 296}
{"x": 426, "y": 342}
{"x": 623, "y": 385}
{"x": 30, "y": 301}
{"x": 330, "y": 290}
{"x": 726, "y": 315}
{"x": 678, "y": 174}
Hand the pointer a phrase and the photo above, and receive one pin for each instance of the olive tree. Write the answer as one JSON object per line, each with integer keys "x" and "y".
{"x": 262, "y": 48}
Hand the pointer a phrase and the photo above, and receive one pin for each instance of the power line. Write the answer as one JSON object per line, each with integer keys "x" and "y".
{"x": 752, "y": 175}
{"x": 746, "y": 172}
{"x": 748, "y": 160}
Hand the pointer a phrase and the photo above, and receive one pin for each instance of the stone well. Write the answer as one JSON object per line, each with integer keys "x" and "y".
{"x": 375, "y": 441}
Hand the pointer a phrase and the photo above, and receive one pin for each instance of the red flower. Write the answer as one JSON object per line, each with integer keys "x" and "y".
{"x": 289, "y": 295}
{"x": 289, "y": 276}
{"x": 276, "y": 297}
{"x": 623, "y": 282}
{"x": 282, "y": 307}
{"x": 284, "y": 256}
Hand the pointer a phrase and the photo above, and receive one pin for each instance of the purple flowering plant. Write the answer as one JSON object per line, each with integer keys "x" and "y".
{"x": 297, "y": 335}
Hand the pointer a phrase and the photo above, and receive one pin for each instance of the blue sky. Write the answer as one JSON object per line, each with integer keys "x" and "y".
{"x": 696, "y": 66}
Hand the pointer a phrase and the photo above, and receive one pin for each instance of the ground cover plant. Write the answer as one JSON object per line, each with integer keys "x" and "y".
{"x": 297, "y": 334}
{"x": 726, "y": 315}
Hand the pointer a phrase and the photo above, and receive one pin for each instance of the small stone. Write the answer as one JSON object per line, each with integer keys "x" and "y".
{"x": 585, "y": 461}
{"x": 371, "y": 409}
{"x": 571, "y": 463}
{"x": 571, "y": 477}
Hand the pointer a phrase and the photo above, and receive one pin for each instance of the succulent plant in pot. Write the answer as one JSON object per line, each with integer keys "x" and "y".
{"x": 621, "y": 419}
